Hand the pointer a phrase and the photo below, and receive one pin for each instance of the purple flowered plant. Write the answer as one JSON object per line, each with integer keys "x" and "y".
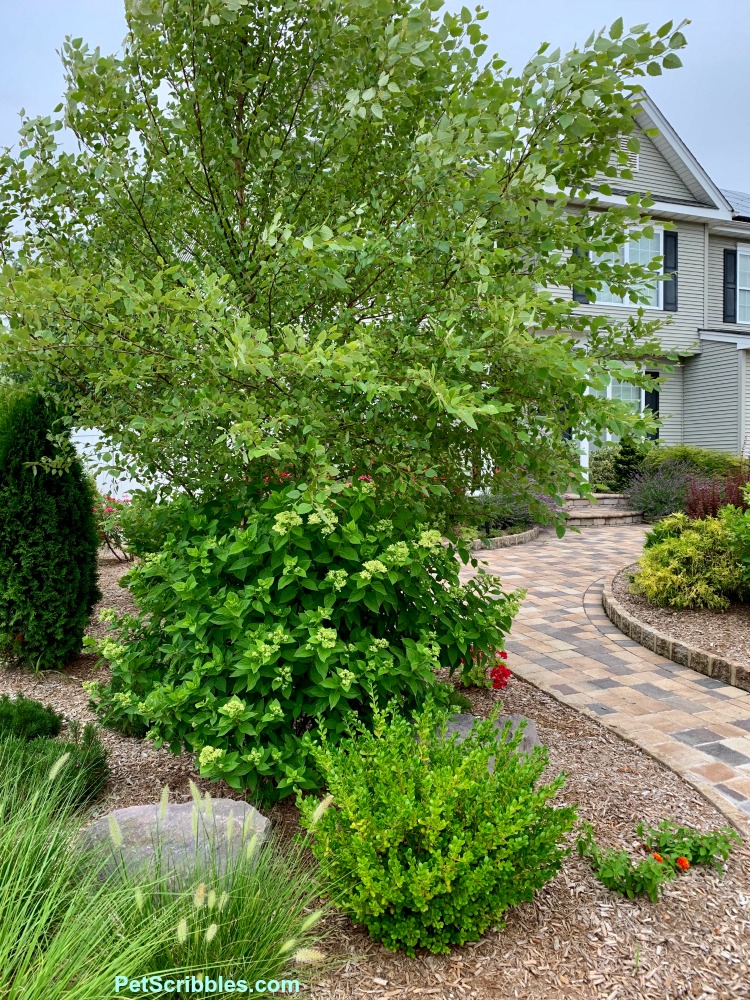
{"x": 660, "y": 491}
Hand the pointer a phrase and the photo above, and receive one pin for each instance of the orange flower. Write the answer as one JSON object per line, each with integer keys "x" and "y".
{"x": 657, "y": 857}
{"x": 683, "y": 864}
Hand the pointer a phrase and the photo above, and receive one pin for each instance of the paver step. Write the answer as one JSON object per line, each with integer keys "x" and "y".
{"x": 592, "y": 517}
{"x": 596, "y": 501}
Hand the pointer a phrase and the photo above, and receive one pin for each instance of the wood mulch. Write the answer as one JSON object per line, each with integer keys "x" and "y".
{"x": 576, "y": 940}
{"x": 722, "y": 633}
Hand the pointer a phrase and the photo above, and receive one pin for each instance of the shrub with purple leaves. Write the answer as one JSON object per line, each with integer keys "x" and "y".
{"x": 657, "y": 492}
{"x": 706, "y": 496}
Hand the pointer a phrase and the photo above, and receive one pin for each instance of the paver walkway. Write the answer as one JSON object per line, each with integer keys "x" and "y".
{"x": 563, "y": 642}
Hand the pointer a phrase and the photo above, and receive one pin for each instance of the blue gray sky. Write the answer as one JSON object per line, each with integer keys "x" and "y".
{"x": 705, "y": 101}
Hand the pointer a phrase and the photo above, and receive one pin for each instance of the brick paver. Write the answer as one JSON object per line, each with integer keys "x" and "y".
{"x": 563, "y": 643}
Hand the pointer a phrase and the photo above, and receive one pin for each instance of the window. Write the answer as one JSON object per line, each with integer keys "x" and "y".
{"x": 638, "y": 251}
{"x": 743, "y": 286}
{"x": 629, "y": 393}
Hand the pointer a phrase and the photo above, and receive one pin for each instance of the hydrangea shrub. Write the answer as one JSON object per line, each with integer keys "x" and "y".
{"x": 314, "y": 604}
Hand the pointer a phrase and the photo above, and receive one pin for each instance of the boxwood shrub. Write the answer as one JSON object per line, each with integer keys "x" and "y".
{"x": 427, "y": 849}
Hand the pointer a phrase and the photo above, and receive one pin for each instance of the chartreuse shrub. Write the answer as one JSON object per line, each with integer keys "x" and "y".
{"x": 702, "y": 461}
{"x": 692, "y": 565}
{"x": 48, "y": 539}
{"x": 27, "y": 718}
{"x": 310, "y": 606}
{"x": 737, "y": 523}
{"x": 670, "y": 848}
{"x": 426, "y": 847}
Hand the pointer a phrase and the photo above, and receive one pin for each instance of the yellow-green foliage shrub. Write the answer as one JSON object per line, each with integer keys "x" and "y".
{"x": 692, "y": 565}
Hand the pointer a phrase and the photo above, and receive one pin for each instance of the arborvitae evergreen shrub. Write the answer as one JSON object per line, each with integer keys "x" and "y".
{"x": 628, "y": 462}
{"x": 48, "y": 540}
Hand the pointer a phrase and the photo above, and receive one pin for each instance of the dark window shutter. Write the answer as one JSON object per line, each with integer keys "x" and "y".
{"x": 652, "y": 399}
{"x": 670, "y": 267}
{"x": 578, "y": 294}
{"x": 730, "y": 286}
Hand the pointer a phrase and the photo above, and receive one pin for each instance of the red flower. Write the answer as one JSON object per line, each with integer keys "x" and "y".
{"x": 683, "y": 864}
{"x": 499, "y": 676}
{"x": 657, "y": 857}
{"x": 502, "y": 654}
{"x": 365, "y": 479}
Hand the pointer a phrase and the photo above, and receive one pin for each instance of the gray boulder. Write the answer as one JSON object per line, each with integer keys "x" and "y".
{"x": 171, "y": 837}
{"x": 463, "y": 723}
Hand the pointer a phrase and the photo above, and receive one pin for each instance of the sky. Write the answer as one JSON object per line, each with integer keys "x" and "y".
{"x": 703, "y": 101}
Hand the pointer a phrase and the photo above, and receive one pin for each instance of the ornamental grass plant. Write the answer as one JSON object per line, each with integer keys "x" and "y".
{"x": 253, "y": 913}
{"x": 66, "y": 930}
{"x": 64, "y": 934}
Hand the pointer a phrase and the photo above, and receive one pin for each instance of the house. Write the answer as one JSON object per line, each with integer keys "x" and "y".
{"x": 705, "y": 306}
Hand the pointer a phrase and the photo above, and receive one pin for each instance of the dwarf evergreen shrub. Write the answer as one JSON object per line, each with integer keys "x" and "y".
{"x": 425, "y": 847}
{"x": 690, "y": 564}
{"x": 48, "y": 540}
{"x": 27, "y": 718}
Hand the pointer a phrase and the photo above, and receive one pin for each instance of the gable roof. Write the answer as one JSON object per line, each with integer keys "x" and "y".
{"x": 740, "y": 203}
{"x": 679, "y": 157}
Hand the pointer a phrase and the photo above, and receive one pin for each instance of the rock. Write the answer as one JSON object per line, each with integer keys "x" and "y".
{"x": 179, "y": 832}
{"x": 462, "y": 723}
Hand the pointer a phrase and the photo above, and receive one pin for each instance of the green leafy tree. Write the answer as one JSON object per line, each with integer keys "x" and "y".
{"x": 48, "y": 540}
{"x": 317, "y": 236}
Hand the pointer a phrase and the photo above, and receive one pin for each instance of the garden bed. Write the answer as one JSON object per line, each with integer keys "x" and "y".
{"x": 576, "y": 940}
{"x": 723, "y": 634}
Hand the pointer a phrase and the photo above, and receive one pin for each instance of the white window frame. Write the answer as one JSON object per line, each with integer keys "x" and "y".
{"x": 607, "y": 394}
{"x": 742, "y": 251}
{"x": 626, "y": 303}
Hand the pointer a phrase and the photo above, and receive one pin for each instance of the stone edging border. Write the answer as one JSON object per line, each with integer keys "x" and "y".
{"x": 727, "y": 671}
{"x": 725, "y": 806}
{"x": 506, "y": 541}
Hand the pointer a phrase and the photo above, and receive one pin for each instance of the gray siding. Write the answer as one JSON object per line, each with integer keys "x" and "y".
{"x": 670, "y": 408}
{"x": 711, "y": 383}
{"x": 745, "y": 388}
{"x": 654, "y": 175}
{"x": 679, "y": 329}
{"x": 716, "y": 247}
